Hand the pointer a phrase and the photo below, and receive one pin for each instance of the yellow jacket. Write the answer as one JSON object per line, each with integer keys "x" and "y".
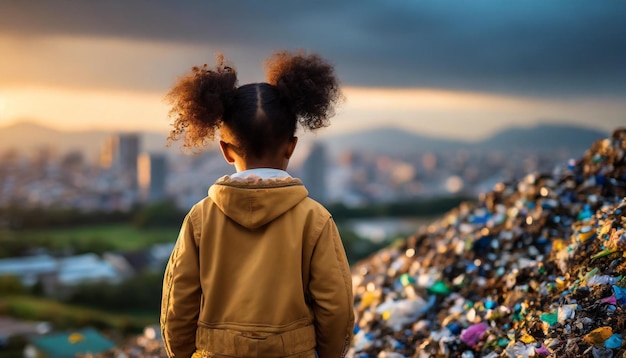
{"x": 258, "y": 270}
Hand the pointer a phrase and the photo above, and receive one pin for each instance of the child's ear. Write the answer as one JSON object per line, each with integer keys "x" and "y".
{"x": 291, "y": 147}
{"x": 227, "y": 152}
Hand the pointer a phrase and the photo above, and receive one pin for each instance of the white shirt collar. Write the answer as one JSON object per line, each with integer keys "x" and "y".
{"x": 263, "y": 173}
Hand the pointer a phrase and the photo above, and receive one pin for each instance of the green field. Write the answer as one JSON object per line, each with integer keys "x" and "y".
{"x": 66, "y": 316}
{"x": 120, "y": 236}
{"x": 98, "y": 239}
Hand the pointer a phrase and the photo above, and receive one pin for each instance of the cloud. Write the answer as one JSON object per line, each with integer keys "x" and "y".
{"x": 533, "y": 48}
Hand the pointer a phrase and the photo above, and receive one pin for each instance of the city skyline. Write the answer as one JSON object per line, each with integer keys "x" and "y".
{"x": 448, "y": 69}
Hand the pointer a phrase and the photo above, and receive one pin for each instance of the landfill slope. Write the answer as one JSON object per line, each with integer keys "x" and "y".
{"x": 534, "y": 268}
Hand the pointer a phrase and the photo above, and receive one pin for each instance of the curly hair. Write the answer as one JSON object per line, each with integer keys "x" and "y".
{"x": 302, "y": 88}
{"x": 199, "y": 100}
{"x": 308, "y": 84}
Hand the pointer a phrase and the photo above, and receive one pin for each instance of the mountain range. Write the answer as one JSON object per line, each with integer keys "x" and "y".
{"x": 27, "y": 136}
{"x": 544, "y": 137}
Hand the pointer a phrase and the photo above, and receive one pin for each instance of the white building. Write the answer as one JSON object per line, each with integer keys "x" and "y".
{"x": 66, "y": 271}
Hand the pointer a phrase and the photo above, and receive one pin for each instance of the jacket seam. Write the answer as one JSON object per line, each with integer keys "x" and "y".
{"x": 344, "y": 275}
{"x": 170, "y": 278}
{"x": 216, "y": 325}
{"x": 195, "y": 224}
{"x": 324, "y": 218}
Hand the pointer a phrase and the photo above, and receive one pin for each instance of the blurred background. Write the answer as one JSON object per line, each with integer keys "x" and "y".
{"x": 444, "y": 99}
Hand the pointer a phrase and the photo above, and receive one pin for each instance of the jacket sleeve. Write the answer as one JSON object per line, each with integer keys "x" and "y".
{"x": 180, "y": 303}
{"x": 330, "y": 288}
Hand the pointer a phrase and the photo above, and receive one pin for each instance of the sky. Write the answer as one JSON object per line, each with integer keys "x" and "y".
{"x": 456, "y": 69}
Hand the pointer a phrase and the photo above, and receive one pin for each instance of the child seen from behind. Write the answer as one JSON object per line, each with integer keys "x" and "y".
{"x": 258, "y": 269}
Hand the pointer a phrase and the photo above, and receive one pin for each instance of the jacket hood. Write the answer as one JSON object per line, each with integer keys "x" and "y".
{"x": 254, "y": 202}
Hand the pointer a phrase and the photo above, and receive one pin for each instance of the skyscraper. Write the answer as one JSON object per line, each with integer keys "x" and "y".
{"x": 314, "y": 171}
{"x": 152, "y": 175}
{"x": 119, "y": 154}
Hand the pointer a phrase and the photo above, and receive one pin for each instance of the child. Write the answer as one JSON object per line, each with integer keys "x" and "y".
{"x": 259, "y": 269}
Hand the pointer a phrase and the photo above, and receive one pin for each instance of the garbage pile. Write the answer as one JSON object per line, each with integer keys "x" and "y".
{"x": 534, "y": 268}
{"x": 148, "y": 345}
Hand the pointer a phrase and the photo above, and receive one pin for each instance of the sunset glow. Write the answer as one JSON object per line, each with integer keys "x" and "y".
{"x": 457, "y": 114}
{"x": 3, "y": 105}
{"x": 116, "y": 81}
{"x": 469, "y": 115}
{"x": 70, "y": 109}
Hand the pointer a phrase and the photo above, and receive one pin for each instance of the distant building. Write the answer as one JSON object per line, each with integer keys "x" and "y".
{"x": 119, "y": 154}
{"x": 151, "y": 259}
{"x": 58, "y": 273}
{"x": 28, "y": 269}
{"x": 152, "y": 175}
{"x": 314, "y": 171}
{"x": 10, "y": 327}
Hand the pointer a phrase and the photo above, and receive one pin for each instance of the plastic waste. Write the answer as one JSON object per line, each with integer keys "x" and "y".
{"x": 603, "y": 280}
{"x": 440, "y": 288}
{"x": 566, "y": 312}
{"x": 550, "y": 318}
{"x": 542, "y": 351}
{"x": 472, "y": 334}
{"x": 620, "y": 294}
{"x": 612, "y": 300}
{"x": 361, "y": 341}
{"x": 598, "y": 335}
{"x": 398, "y": 313}
{"x": 599, "y": 352}
{"x": 534, "y": 268}
{"x": 520, "y": 350}
{"x": 614, "y": 342}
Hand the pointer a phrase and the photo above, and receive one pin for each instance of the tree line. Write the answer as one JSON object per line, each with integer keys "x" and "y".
{"x": 166, "y": 213}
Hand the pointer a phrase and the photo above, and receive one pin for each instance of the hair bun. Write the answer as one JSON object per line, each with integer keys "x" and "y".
{"x": 307, "y": 84}
{"x": 199, "y": 100}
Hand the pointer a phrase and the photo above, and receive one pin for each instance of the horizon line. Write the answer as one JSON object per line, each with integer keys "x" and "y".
{"x": 549, "y": 123}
